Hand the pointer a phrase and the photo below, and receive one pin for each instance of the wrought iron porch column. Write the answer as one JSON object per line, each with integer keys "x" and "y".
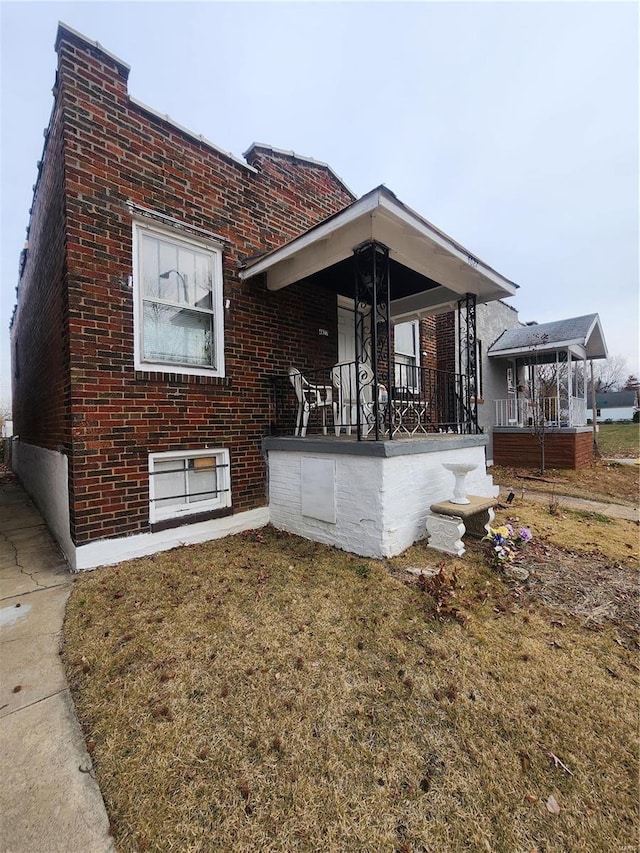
{"x": 373, "y": 338}
{"x": 467, "y": 363}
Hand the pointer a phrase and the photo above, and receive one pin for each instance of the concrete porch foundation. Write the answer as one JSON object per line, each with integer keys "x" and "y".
{"x": 369, "y": 498}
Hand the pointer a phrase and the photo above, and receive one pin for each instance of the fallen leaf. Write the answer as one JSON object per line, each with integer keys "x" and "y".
{"x": 525, "y": 760}
{"x": 552, "y": 805}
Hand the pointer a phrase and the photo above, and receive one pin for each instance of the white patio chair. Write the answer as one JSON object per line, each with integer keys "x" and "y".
{"x": 310, "y": 396}
{"x": 343, "y": 376}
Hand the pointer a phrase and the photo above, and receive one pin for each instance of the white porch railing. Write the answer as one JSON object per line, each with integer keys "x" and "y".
{"x": 578, "y": 411}
{"x": 520, "y": 412}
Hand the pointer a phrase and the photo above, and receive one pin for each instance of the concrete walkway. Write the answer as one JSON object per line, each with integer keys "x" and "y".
{"x": 47, "y": 804}
{"x": 568, "y": 502}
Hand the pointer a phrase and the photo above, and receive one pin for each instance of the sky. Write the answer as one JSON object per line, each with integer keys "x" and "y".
{"x": 513, "y": 127}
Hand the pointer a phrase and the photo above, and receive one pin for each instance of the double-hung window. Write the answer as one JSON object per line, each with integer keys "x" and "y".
{"x": 187, "y": 483}
{"x": 407, "y": 349}
{"x": 179, "y": 326}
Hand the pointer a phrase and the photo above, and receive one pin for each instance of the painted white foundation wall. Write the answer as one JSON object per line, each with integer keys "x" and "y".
{"x": 108, "y": 552}
{"x": 43, "y": 474}
{"x": 381, "y": 501}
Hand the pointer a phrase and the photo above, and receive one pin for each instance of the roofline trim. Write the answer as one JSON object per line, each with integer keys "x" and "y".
{"x": 379, "y": 197}
{"x": 65, "y": 28}
{"x": 392, "y": 203}
{"x": 302, "y": 157}
{"x": 542, "y": 347}
{"x": 197, "y": 136}
{"x": 361, "y": 207}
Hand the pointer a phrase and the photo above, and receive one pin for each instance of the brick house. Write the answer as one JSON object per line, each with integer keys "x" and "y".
{"x": 167, "y": 287}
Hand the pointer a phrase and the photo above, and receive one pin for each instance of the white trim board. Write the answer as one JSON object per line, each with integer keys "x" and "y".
{"x": 108, "y": 552}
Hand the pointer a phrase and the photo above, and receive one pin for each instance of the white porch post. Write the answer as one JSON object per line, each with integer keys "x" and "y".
{"x": 569, "y": 385}
{"x": 557, "y": 387}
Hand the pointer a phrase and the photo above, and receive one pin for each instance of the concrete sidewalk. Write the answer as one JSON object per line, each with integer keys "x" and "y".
{"x": 47, "y": 804}
{"x": 566, "y": 501}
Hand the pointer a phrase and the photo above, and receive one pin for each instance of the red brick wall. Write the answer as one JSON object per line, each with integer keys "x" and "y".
{"x": 114, "y": 152}
{"x": 446, "y": 342}
{"x": 39, "y": 334}
{"x": 428, "y": 343}
{"x": 561, "y": 450}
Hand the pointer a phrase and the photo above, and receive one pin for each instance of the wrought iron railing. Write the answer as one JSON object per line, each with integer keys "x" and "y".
{"x": 342, "y": 401}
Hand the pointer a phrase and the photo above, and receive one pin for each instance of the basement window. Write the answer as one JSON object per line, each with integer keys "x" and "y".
{"x": 178, "y": 317}
{"x": 188, "y": 483}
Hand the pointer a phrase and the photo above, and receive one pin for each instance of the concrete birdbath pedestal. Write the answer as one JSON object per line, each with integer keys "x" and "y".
{"x": 449, "y": 520}
{"x": 460, "y": 471}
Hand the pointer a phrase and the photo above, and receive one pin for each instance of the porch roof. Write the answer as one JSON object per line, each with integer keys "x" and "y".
{"x": 429, "y": 270}
{"x": 583, "y": 335}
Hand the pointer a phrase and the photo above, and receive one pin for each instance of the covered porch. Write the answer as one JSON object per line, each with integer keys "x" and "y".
{"x": 387, "y": 266}
{"x": 358, "y": 443}
{"x": 546, "y": 370}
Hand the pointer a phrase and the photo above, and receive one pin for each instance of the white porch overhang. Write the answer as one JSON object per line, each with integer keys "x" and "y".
{"x": 430, "y": 271}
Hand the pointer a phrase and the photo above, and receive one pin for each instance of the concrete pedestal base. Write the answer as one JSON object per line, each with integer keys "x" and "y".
{"x": 445, "y": 534}
{"x": 447, "y": 523}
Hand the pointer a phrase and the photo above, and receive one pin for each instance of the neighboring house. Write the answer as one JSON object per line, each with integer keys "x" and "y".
{"x": 615, "y": 405}
{"x": 545, "y": 391}
{"x": 184, "y": 316}
{"x": 492, "y": 320}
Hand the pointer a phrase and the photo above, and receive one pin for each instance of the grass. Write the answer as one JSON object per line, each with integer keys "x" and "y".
{"x": 622, "y": 440}
{"x": 608, "y": 482}
{"x": 265, "y": 693}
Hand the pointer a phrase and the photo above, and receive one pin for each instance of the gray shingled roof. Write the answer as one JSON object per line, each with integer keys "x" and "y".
{"x": 581, "y": 331}
{"x": 615, "y": 399}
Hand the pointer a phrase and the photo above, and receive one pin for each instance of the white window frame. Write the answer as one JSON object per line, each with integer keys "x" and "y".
{"x": 412, "y": 358}
{"x": 179, "y": 238}
{"x": 222, "y": 501}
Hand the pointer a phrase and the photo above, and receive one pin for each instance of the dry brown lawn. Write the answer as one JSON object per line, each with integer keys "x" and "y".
{"x": 265, "y": 693}
{"x": 600, "y": 481}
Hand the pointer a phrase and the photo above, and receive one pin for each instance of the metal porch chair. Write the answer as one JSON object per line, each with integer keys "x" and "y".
{"x": 310, "y": 396}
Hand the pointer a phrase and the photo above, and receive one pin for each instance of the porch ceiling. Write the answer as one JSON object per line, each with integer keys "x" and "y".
{"x": 429, "y": 270}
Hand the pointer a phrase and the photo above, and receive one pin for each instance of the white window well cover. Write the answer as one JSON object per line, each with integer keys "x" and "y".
{"x": 184, "y": 483}
{"x": 178, "y": 315}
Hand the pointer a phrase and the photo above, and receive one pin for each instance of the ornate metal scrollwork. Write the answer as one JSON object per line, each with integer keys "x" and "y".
{"x": 467, "y": 363}
{"x": 373, "y": 328}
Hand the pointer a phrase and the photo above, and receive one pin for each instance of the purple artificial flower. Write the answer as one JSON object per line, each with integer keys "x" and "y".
{"x": 525, "y": 534}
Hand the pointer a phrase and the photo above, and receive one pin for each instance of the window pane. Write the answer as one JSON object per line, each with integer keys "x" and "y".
{"x": 202, "y": 478}
{"x": 177, "y": 335}
{"x": 406, "y": 374}
{"x": 403, "y": 335}
{"x": 169, "y": 487}
{"x": 203, "y": 281}
{"x": 150, "y": 281}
